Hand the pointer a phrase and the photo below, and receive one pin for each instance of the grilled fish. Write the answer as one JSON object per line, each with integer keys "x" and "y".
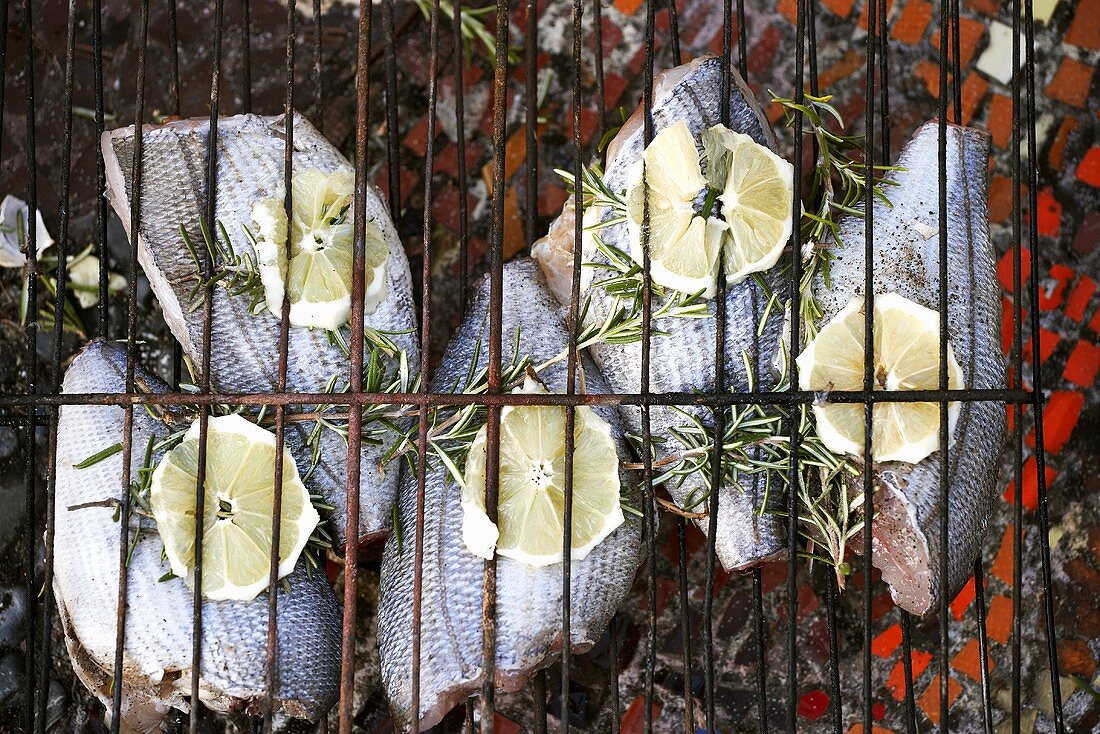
{"x": 906, "y": 540}
{"x": 244, "y": 346}
{"x": 157, "y": 654}
{"x": 529, "y": 600}
{"x": 683, "y": 360}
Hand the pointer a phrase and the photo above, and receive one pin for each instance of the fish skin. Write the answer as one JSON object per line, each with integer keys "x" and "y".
{"x": 684, "y": 360}
{"x": 905, "y": 534}
{"x": 158, "y": 641}
{"x": 528, "y": 599}
{"x": 244, "y": 347}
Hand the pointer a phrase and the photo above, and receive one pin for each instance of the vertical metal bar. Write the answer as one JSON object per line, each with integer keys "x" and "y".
{"x": 174, "y": 58}
{"x": 101, "y": 175}
{"x": 425, "y": 343}
{"x": 460, "y": 132}
{"x": 944, "y": 523}
{"x": 601, "y": 102}
{"x": 613, "y": 634}
{"x": 649, "y": 512}
{"x": 834, "y": 667}
{"x": 210, "y": 215}
{"x": 246, "y": 53}
{"x": 393, "y": 147}
{"x": 956, "y": 73}
{"x": 318, "y": 66}
{"x": 128, "y": 414}
{"x": 884, "y": 82}
{"x": 1017, "y": 380}
{"x": 793, "y": 477}
{"x": 271, "y": 672}
{"x": 983, "y": 646}
{"x": 58, "y": 332}
{"x": 1037, "y": 396}
{"x": 719, "y": 416}
{"x": 31, "y": 330}
{"x": 907, "y": 666}
{"x": 571, "y": 369}
{"x": 355, "y": 379}
{"x": 868, "y": 353}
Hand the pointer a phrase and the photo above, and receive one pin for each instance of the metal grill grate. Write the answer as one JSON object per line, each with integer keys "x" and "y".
{"x": 39, "y": 405}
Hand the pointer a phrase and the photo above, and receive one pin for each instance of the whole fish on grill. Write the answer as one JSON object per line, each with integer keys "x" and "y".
{"x": 529, "y": 600}
{"x": 905, "y": 533}
{"x": 244, "y": 346}
{"x": 683, "y": 358}
{"x": 157, "y": 650}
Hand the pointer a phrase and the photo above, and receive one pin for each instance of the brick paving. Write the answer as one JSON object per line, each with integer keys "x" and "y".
{"x": 1067, "y": 218}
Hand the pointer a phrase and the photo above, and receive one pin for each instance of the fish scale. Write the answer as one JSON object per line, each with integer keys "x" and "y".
{"x": 244, "y": 346}
{"x": 905, "y": 533}
{"x": 158, "y": 641}
{"x": 529, "y": 600}
{"x": 682, "y": 357}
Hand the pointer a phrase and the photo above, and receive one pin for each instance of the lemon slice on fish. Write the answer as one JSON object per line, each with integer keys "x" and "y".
{"x": 318, "y": 277}
{"x": 906, "y": 357}
{"x": 531, "y": 502}
{"x": 757, "y": 193}
{"x": 240, "y": 492}
{"x": 683, "y": 246}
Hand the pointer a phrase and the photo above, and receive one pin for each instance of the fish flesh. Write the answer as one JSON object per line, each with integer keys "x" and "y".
{"x": 244, "y": 346}
{"x": 905, "y": 532}
{"x": 683, "y": 358}
{"x": 158, "y": 636}
{"x": 529, "y": 600}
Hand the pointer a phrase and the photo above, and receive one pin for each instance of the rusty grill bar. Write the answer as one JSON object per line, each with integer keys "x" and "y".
{"x": 37, "y": 408}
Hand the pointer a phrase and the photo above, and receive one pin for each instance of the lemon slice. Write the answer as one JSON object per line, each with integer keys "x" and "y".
{"x": 322, "y": 240}
{"x": 240, "y": 491}
{"x": 530, "y": 508}
{"x": 757, "y": 192}
{"x": 906, "y": 348}
{"x": 683, "y": 247}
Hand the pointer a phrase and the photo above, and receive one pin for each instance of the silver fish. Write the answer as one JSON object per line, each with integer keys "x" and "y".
{"x": 684, "y": 360}
{"x": 906, "y": 540}
{"x": 244, "y": 347}
{"x": 157, "y": 669}
{"x": 529, "y": 600}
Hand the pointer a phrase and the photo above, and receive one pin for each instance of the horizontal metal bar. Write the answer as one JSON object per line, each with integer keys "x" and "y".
{"x": 452, "y": 399}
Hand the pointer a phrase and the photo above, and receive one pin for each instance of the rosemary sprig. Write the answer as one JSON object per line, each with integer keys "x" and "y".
{"x": 596, "y": 192}
{"x": 473, "y": 26}
{"x": 238, "y": 272}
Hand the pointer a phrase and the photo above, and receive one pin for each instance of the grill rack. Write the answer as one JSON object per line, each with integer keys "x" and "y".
{"x": 36, "y": 408}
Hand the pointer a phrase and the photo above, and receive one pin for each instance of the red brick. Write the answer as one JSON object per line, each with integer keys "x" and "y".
{"x": 1080, "y": 297}
{"x": 1057, "y": 155}
{"x": 1074, "y": 658}
{"x": 789, "y": 8}
{"x": 1088, "y": 170}
{"x": 896, "y": 682}
{"x": 930, "y": 74}
{"x": 910, "y": 26}
{"x": 970, "y": 33}
{"x": 985, "y": 7}
{"x": 863, "y": 13}
{"x": 1083, "y": 364}
{"x": 851, "y": 62}
{"x": 999, "y": 119}
{"x": 627, "y": 7}
{"x": 1088, "y": 233}
{"x": 505, "y": 725}
{"x": 1002, "y": 562}
{"x": 1048, "y": 341}
{"x": 929, "y": 701}
{"x": 613, "y": 86}
{"x": 1030, "y": 484}
{"x": 551, "y": 199}
{"x": 1061, "y": 275}
{"x": 634, "y": 719}
{"x": 1000, "y": 198}
{"x": 973, "y": 92}
{"x": 843, "y": 8}
{"x": 611, "y": 36}
{"x": 887, "y": 641}
{"x": 1004, "y": 268}
{"x": 998, "y": 619}
{"x": 813, "y": 705}
{"x": 416, "y": 139}
{"x": 1071, "y": 83}
{"x": 1007, "y": 330}
{"x": 1049, "y": 214}
{"x": 1095, "y": 323}
{"x": 1060, "y": 415}
{"x": 760, "y": 56}
{"x": 1085, "y": 29}
{"x": 968, "y": 660}
{"x": 963, "y": 599}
